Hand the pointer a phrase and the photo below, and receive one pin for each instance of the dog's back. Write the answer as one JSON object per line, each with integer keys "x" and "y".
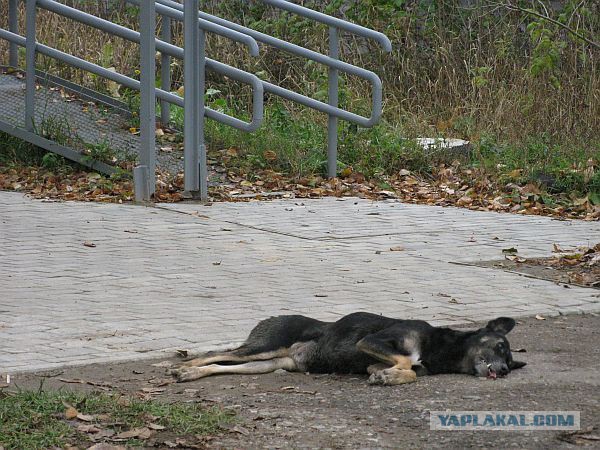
{"x": 281, "y": 332}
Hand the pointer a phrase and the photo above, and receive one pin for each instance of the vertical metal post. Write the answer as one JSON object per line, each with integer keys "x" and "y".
{"x": 195, "y": 170}
{"x": 148, "y": 94}
{"x": 30, "y": 15}
{"x": 165, "y": 71}
{"x": 201, "y": 80}
{"x": 191, "y": 59}
{"x": 332, "y": 124}
{"x": 13, "y": 27}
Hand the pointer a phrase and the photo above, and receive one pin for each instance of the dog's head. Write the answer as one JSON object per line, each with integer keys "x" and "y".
{"x": 488, "y": 351}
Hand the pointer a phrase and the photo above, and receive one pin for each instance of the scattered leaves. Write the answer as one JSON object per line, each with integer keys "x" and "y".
{"x": 582, "y": 265}
{"x": 447, "y": 185}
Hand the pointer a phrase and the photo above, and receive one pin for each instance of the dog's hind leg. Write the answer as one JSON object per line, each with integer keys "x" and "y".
{"x": 234, "y": 356}
{"x": 250, "y": 368}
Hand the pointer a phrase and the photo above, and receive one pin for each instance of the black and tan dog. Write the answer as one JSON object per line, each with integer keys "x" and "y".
{"x": 392, "y": 351}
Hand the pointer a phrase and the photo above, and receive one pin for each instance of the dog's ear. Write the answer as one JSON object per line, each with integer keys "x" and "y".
{"x": 516, "y": 365}
{"x": 501, "y": 325}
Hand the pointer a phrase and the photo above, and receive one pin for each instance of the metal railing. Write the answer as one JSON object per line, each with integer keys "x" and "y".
{"x": 332, "y": 61}
{"x": 196, "y": 25}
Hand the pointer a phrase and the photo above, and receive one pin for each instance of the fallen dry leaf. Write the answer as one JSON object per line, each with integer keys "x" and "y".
{"x": 138, "y": 433}
{"x": 85, "y": 417}
{"x": 104, "y": 446}
{"x": 153, "y": 390}
{"x": 124, "y": 401}
{"x": 397, "y": 248}
{"x": 538, "y": 317}
{"x": 71, "y": 413}
{"x": 158, "y": 382}
{"x": 88, "y": 428}
{"x": 270, "y": 155}
{"x": 166, "y": 364}
{"x": 89, "y": 244}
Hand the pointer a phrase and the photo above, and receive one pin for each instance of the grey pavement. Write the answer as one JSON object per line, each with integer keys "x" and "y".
{"x": 194, "y": 277}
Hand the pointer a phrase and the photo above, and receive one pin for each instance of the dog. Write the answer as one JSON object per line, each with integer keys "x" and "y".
{"x": 391, "y": 351}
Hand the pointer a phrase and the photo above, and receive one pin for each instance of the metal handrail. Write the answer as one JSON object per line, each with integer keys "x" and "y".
{"x": 196, "y": 24}
{"x": 170, "y": 49}
{"x": 340, "y": 24}
{"x": 332, "y": 61}
{"x": 342, "y": 66}
{"x": 160, "y": 93}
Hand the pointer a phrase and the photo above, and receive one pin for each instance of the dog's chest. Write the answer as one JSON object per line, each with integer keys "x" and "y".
{"x": 415, "y": 358}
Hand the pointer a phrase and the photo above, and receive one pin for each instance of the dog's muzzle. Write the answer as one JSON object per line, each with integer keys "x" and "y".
{"x": 497, "y": 370}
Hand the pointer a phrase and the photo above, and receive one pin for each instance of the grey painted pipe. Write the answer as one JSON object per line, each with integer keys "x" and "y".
{"x": 381, "y": 38}
{"x": 208, "y": 26}
{"x": 67, "y": 11}
{"x": 312, "y": 55}
{"x": 173, "y": 50}
{"x": 147, "y": 19}
{"x": 165, "y": 71}
{"x": 30, "y": 19}
{"x": 13, "y": 25}
{"x": 160, "y": 94}
{"x": 240, "y": 75}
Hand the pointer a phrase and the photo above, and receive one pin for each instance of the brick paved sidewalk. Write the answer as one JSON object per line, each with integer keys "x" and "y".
{"x": 198, "y": 277}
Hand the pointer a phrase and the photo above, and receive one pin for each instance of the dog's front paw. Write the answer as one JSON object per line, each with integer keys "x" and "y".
{"x": 389, "y": 377}
{"x": 183, "y": 374}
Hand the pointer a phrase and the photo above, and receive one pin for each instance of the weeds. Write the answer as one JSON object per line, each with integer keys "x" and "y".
{"x": 101, "y": 151}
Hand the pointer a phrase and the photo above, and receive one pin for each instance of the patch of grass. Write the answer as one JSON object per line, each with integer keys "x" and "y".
{"x": 102, "y": 151}
{"x": 58, "y": 129}
{"x": 539, "y": 160}
{"x": 15, "y": 153}
{"x": 36, "y": 419}
{"x": 295, "y": 143}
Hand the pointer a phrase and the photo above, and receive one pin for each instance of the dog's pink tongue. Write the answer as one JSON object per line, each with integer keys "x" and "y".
{"x": 492, "y": 375}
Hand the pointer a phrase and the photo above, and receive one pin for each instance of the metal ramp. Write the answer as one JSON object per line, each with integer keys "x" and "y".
{"x": 33, "y": 109}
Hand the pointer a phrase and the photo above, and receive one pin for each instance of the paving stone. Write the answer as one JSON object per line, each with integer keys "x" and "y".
{"x": 202, "y": 282}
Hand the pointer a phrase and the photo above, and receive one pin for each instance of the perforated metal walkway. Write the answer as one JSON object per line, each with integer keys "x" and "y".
{"x": 74, "y": 122}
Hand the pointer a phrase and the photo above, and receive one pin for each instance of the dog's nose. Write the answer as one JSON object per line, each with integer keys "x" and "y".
{"x": 503, "y": 370}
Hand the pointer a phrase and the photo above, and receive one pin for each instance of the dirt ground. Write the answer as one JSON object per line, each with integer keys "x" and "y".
{"x": 293, "y": 410}
{"x": 554, "y": 269}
